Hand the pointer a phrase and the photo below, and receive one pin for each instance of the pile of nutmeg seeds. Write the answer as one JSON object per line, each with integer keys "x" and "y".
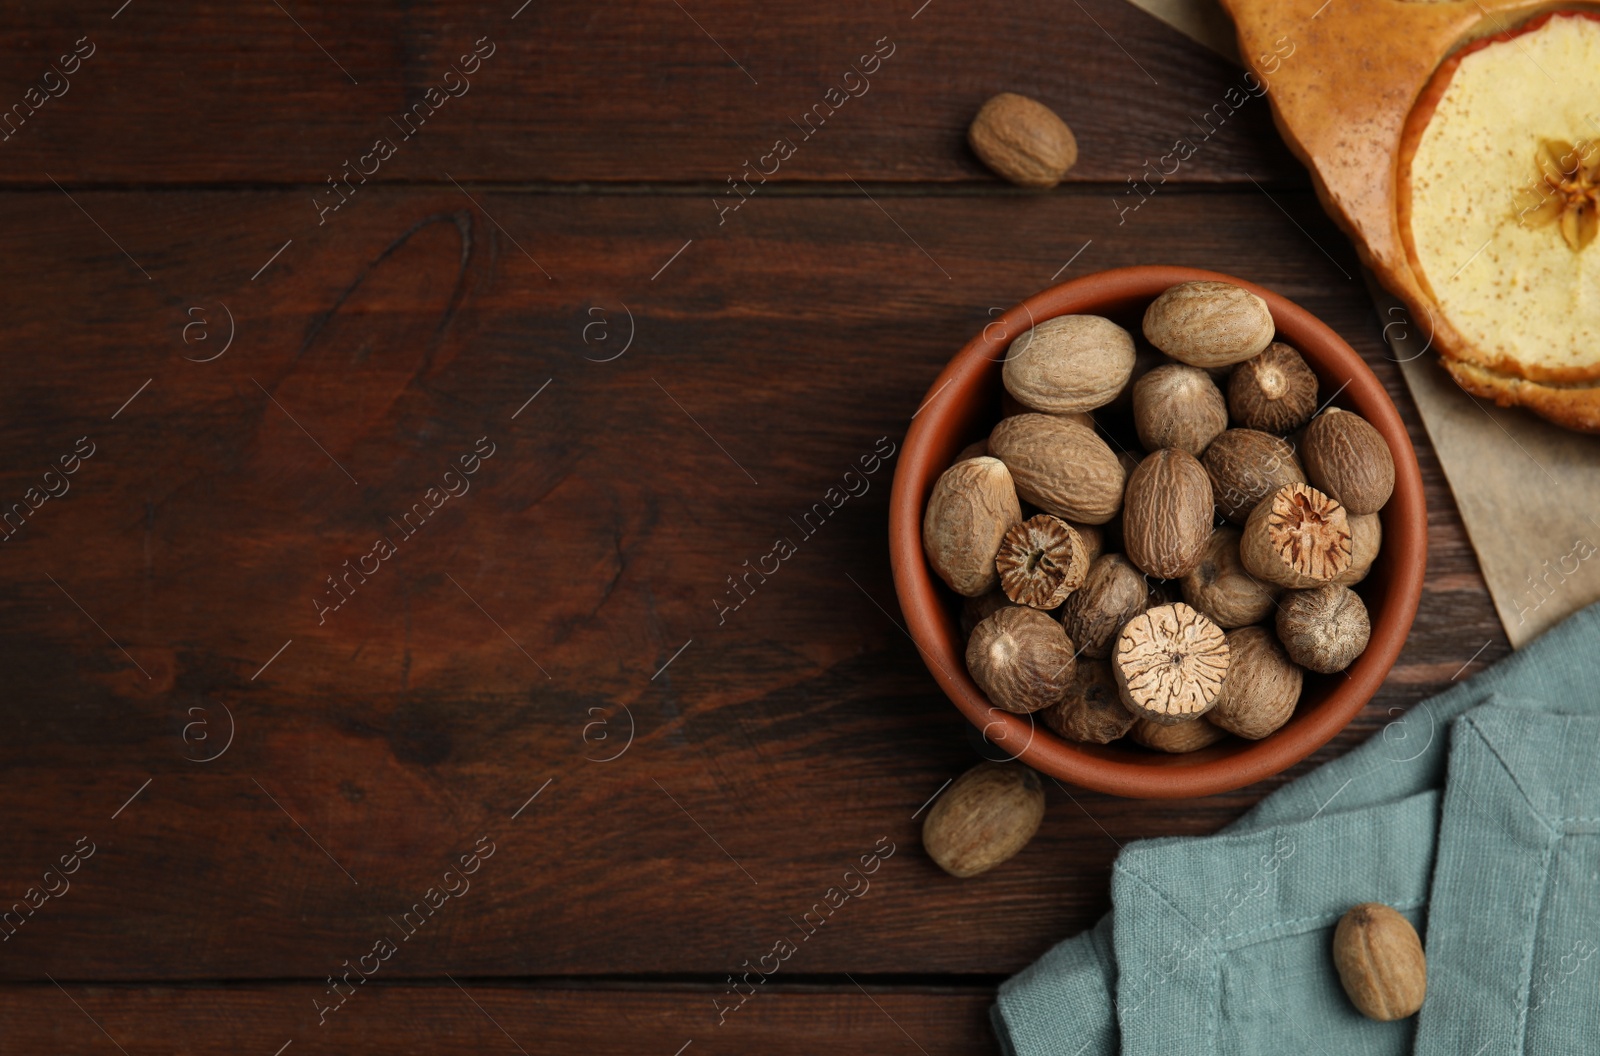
{"x": 1159, "y": 543}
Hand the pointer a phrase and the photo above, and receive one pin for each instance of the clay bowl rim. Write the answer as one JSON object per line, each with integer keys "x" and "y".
{"x": 954, "y": 411}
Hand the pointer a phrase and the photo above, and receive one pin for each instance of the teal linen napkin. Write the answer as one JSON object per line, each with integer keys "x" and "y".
{"x": 1220, "y": 944}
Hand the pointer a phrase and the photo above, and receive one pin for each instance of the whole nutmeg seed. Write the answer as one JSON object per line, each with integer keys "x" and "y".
{"x": 1366, "y": 539}
{"x": 1069, "y": 364}
{"x": 1178, "y": 406}
{"x": 1262, "y": 688}
{"x": 1060, "y": 467}
{"x": 1380, "y": 962}
{"x": 972, "y": 506}
{"x": 1221, "y": 588}
{"x": 1275, "y": 392}
{"x": 1209, "y": 324}
{"x": 1041, "y": 561}
{"x": 1246, "y": 466}
{"x": 1092, "y": 712}
{"x": 1170, "y": 663}
{"x": 1166, "y": 515}
{"x": 1297, "y": 537}
{"x": 1325, "y": 629}
{"x": 1348, "y": 459}
{"x": 1023, "y": 141}
{"x": 1113, "y": 593}
{"x": 1190, "y": 735}
{"x": 1021, "y": 659}
{"x": 986, "y": 816}
{"x": 976, "y": 449}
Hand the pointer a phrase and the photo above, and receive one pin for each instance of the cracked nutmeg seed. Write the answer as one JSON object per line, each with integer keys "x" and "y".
{"x": 1041, "y": 561}
{"x": 1170, "y": 663}
{"x": 1380, "y": 962}
{"x": 1297, "y": 537}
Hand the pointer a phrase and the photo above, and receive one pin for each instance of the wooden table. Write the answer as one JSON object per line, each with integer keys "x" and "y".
{"x": 280, "y": 737}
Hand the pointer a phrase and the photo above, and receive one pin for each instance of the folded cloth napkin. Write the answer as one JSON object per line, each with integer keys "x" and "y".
{"x": 1222, "y": 944}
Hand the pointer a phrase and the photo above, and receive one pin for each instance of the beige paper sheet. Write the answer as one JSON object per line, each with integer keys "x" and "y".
{"x": 1529, "y": 492}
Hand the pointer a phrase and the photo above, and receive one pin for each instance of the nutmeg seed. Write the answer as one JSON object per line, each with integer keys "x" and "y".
{"x": 1380, "y": 962}
{"x": 1220, "y": 586}
{"x": 1041, "y": 561}
{"x": 1247, "y": 465}
{"x": 1296, "y": 537}
{"x": 1275, "y": 392}
{"x": 1209, "y": 324}
{"x": 1349, "y": 460}
{"x": 1170, "y": 663}
{"x": 1113, "y": 593}
{"x": 1069, "y": 364}
{"x": 1092, "y": 712}
{"x": 1060, "y": 467}
{"x": 1262, "y": 688}
{"x": 1023, "y": 141}
{"x": 1324, "y": 629}
{"x": 1166, "y": 516}
{"x": 986, "y": 816}
{"x": 972, "y": 506}
{"x": 1191, "y": 735}
{"x": 1178, "y": 406}
{"x": 1021, "y": 659}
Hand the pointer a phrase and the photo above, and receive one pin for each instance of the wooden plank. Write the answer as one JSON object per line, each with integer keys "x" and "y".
{"x": 572, "y": 592}
{"x": 482, "y": 1017}
{"x": 675, "y": 92}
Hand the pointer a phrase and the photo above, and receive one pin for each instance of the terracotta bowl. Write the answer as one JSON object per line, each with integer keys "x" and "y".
{"x": 963, "y": 404}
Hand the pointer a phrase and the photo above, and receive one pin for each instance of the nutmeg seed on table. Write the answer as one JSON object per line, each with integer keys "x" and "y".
{"x": 1023, "y": 141}
{"x": 1296, "y": 537}
{"x": 1262, "y": 688}
{"x": 1247, "y": 465}
{"x": 1178, "y": 406}
{"x": 1380, "y": 962}
{"x": 1166, "y": 514}
{"x": 973, "y": 505}
{"x": 1348, "y": 460}
{"x": 1021, "y": 659}
{"x": 1324, "y": 629}
{"x": 1041, "y": 561}
{"x": 1170, "y": 663}
{"x": 1059, "y": 466}
{"x": 986, "y": 816}
{"x": 1072, "y": 363}
{"x": 1209, "y": 324}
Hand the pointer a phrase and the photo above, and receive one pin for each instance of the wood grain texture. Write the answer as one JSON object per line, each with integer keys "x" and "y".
{"x": 578, "y": 93}
{"x": 773, "y": 752}
{"x": 487, "y": 1017}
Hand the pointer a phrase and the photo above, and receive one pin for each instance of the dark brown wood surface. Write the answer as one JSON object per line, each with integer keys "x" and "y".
{"x": 300, "y": 778}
